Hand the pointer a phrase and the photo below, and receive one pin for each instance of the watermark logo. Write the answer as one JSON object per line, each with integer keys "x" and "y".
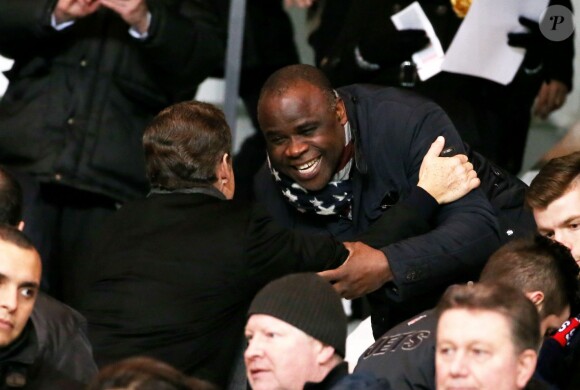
{"x": 556, "y": 23}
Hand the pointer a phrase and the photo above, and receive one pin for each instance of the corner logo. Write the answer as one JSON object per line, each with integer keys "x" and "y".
{"x": 556, "y": 23}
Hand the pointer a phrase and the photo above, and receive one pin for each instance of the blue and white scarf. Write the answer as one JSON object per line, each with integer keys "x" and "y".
{"x": 334, "y": 199}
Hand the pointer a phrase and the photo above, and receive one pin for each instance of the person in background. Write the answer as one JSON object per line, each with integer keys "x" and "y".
{"x": 41, "y": 345}
{"x": 543, "y": 270}
{"x": 487, "y": 338}
{"x": 60, "y": 339}
{"x": 554, "y": 197}
{"x": 87, "y": 76}
{"x": 297, "y": 337}
{"x": 143, "y": 373}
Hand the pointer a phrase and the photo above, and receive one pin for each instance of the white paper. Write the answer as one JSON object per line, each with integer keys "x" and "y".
{"x": 480, "y": 47}
{"x": 429, "y": 59}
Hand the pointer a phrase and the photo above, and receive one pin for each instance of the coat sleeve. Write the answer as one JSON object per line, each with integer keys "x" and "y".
{"x": 25, "y": 27}
{"x": 273, "y": 251}
{"x": 186, "y": 42}
{"x": 63, "y": 340}
{"x": 465, "y": 232}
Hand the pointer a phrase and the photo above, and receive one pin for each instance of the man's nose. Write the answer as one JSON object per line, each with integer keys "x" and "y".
{"x": 8, "y": 298}
{"x": 458, "y": 366}
{"x": 296, "y": 147}
{"x": 254, "y": 348}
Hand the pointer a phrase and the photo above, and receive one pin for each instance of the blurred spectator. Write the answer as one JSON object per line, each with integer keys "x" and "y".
{"x": 87, "y": 77}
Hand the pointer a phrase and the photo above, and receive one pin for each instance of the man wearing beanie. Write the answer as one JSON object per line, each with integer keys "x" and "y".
{"x": 296, "y": 333}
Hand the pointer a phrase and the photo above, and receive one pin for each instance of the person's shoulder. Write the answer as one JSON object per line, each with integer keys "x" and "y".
{"x": 52, "y": 314}
{"x": 400, "y": 96}
{"x": 360, "y": 381}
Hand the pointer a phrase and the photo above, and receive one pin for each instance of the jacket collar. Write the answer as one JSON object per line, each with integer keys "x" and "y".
{"x": 350, "y": 102}
{"x": 210, "y": 190}
{"x": 333, "y": 377}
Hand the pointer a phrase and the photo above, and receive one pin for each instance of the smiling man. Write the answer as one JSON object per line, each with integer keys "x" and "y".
{"x": 341, "y": 158}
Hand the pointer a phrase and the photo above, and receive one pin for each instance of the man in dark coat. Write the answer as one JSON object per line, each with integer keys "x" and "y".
{"x": 340, "y": 159}
{"x": 42, "y": 343}
{"x": 87, "y": 77}
{"x": 56, "y": 351}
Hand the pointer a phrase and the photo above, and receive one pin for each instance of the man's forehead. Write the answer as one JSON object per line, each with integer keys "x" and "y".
{"x": 18, "y": 263}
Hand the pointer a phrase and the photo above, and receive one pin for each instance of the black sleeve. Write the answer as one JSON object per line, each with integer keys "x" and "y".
{"x": 273, "y": 251}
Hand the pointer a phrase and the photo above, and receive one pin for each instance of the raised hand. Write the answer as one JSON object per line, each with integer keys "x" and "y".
{"x": 298, "y": 3}
{"x": 364, "y": 271}
{"x": 134, "y": 12}
{"x": 552, "y": 95}
{"x": 67, "y": 10}
{"x": 446, "y": 178}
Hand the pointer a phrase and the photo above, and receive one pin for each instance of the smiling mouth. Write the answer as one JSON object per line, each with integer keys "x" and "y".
{"x": 309, "y": 167}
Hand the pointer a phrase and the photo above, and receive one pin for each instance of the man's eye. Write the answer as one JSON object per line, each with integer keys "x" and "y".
{"x": 276, "y": 140}
{"x": 549, "y": 235}
{"x": 574, "y": 226}
{"x": 479, "y": 353}
{"x": 446, "y": 351}
{"x": 28, "y": 292}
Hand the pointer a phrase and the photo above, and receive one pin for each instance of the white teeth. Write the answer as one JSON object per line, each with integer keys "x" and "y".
{"x": 308, "y": 164}
{"x": 309, "y": 167}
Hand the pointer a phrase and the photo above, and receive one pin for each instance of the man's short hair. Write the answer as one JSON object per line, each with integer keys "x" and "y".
{"x": 554, "y": 180}
{"x": 520, "y": 312}
{"x": 10, "y": 199}
{"x": 283, "y": 79}
{"x": 538, "y": 264}
{"x": 14, "y": 236}
{"x": 183, "y": 145}
{"x": 142, "y": 372}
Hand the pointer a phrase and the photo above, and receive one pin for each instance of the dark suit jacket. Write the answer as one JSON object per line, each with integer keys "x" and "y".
{"x": 177, "y": 272}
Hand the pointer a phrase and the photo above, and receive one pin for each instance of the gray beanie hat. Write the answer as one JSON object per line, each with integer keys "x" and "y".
{"x": 307, "y": 302}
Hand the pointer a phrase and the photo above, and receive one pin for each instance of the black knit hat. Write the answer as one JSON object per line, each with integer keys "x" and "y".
{"x": 307, "y": 302}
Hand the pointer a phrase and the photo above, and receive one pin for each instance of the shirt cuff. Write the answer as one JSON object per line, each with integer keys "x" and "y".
{"x": 60, "y": 26}
{"x": 421, "y": 201}
{"x": 136, "y": 34}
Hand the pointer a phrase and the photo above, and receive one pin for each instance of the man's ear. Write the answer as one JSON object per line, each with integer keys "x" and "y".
{"x": 225, "y": 176}
{"x": 537, "y": 298}
{"x": 526, "y": 367}
{"x": 325, "y": 354}
{"x": 341, "y": 111}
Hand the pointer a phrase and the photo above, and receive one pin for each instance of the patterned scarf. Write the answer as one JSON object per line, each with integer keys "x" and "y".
{"x": 334, "y": 199}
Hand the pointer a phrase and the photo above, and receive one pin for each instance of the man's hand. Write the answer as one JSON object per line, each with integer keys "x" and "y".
{"x": 67, "y": 10}
{"x": 364, "y": 271}
{"x": 552, "y": 96}
{"x": 298, "y": 3}
{"x": 446, "y": 178}
{"x": 133, "y": 12}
